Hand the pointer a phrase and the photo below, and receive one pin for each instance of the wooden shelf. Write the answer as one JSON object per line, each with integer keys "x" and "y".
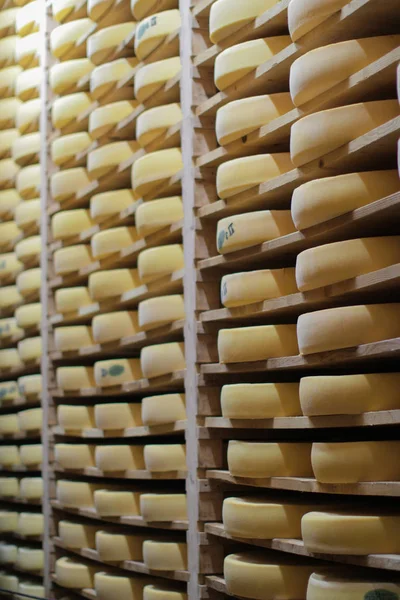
{"x": 24, "y": 501}
{"x": 21, "y": 469}
{"x": 26, "y": 369}
{"x": 294, "y": 546}
{"x": 179, "y": 427}
{"x": 123, "y": 475}
{"x": 21, "y": 436}
{"x": 131, "y": 521}
{"x": 19, "y": 403}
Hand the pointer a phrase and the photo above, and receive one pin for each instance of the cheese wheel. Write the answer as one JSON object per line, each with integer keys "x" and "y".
{"x": 260, "y": 400}
{"x": 7, "y": 138}
{"x": 155, "y": 122}
{"x": 119, "y": 458}
{"x": 29, "y": 315}
{"x": 9, "y": 265}
{"x": 28, "y": 116}
{"x": 158, "y": 592}
{"x": 305, "y": 15}
{"x": 8, "y": 391}
{"x": 318, "y": 134}
{"x": 27, "y": 50}
{"x": 127, "y": 588}
{"x": 65, "y": 110}
{"x": 110, "y": 203}
{"x": 162, "y": 359}
{"x": 107, "y": 242}
{"x": 163, "y": 507}
{"x": 8, "y": 521}
{"x": 31, "y": 488}
{"x": 322, "y": 68}
{"x": 155, "y": 263}
{"x": 165, "y": 556}
{"x": 74, "y": 456}
{"x": 157, "y": 214}
{"x": 77, "y": 535}
{"x": 67, "y": 183}
{"x": 26, "y": 149}
{"x": 104, "y": 42}
{"x": 30, "y": 385}
{"x": 66, "y": 147}
{"x": 99, "y": 9}
{"x": 10, "y": 359}
{"x": 30, "y": 349}
{"x": 9, "y": 582}
{"x": 29, "y": 281}
{"x": 318, "y": 267}
{"x": 74, "y": 378}
{"x": 157, "y": 312}
{"x": 241, "y": 174}
{"x": 351, "y": 462}
{"x": 269, "y": 459}
{"x": 161, "y": 458}
{"x": 237, "y": 61}
{"x": 114, "y": 547}
{"x": 227, "y": 16}
{"x": 9, "y": 487}
{"x": 28, "y": 182}
{"x": 240, "y": 117}
{"x": 111, "y": 503}
{"x": 152, "y": 31}
{"x": 259, "y": 342}
{"x": 142, "y": 8}
{"x": 27, "y": 213}
{"x": 9, "y": 199}
{"x": 31, "y": 455}
{"x": 347, "y": 326}
{"x": 9, "y": 424}
{"x": 65, "y": 76}
{"x": 153, "y": 169}
{"x": 68, "y": 223}
{"x": 250, "y": 229}
{"x": 72, "y": 299}
{"x": 350, "y": 533}
{"x": 240, "y": 289}
{"x": 8, "y": 553}
{"x": 319, "y": 200}
{"x": 8, "y": 19}
{"x": 117, "y": 371}
{"x": 254, "y": 575}
{"x": 72, "y": 337}
{"x": 103, "y": 160}
{"x": 9, "y": 170}
{"x": 151, "y": 77}
{"x": 30, "y": 419}
{"x": 72, "y": 258}
{"x": 62, "y": 9}
{"x": 8, "y": 78}
{"x": 68, "y": 41}
{"x": 330, "y": 586}
{"x": 8, "y": 111}
{"x": 117, "y": 416}
{"x": 30, "y": 524}
{"x": 74, "y": 575}
{"x": 105, "y": 77}
{"x": 32, "y": 589}
{"x": 10, "y": 296}
{"x": 75, "y": 418}
{"x": 104, "y": 118}
{"x": 349, "y": 394}
{"x": 262, "y": 519}
{"x": 111, "y": 327}
{"x": 75, "y": 494}
{"x": 108, "y": 284}
{"x": 8, "y": 48}
{"x": 27, "y": 19}
{"x": 29, "y": 248}
{"x": 163, "y": 409}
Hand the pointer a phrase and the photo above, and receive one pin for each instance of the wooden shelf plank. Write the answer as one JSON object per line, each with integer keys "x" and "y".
{"x": 21, "y": 436}
{"x": 27, "y": 369}
{"x": 178, "y": 427}
{"x": 124, "y": 475}
{"x": 25, "y": 502}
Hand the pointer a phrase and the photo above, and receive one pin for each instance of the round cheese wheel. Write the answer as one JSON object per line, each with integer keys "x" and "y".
{"x": 9, "y": 424}
{"x": 155, "y": 263}
{"x": 8, "y": 111}
{"x": 26, "y": 149}
{"x": 9, "y": 582}
{"x": 10, "y": 296}
{"x": 157, "y": 214}
{"x": 31, "y": 488}
{"x": 8, "y": 47}
{"x": 29, "y": 281}
{"x": 10, "y": 328}
{"x": 151, "y": 77}
{"x": 8, "y": 553}
{"x": 28, "y": 182}
{"x": 31, "y": 454}
{"x": 117, "y": 416}
{"x": 74, "y": 575}
{"x": 104, "y": 118}
{"x": 127, "y": 588}
{"x": 32, "y": 589}
{"x": 27, "y": 50}
{"x": 347, "y": 326}
{"x": 103, "y": 160}
{"x": 8, "y": 391}
{"x": 106, "y": 10}
{"x": 154, "y": 168}
{"x": 8, "y": 17}
{"x": 259, "y": 342}
{"x": 248, "y": 287}
{"x": 62, "y": 9}
{"x": 163, "y": 507}
{"x": 237, "y": 61}
{"x": 29, "y": 315}
{"x": 104, "y": 42}
{"x": 27, "y": 19}
{"x": 110, "y": 203}
{"x": 108, "y": 284}
{"x": 119, "y": 458}
{"x": 30, "y": 524}
{"x": 75, "y": 418}
{"x": 8, "y": 521}
{"x": 66, "y": 147}
{"x": 74, "y": 378}
{"x": 158, "y": 592}
{"x": 77, "y": 535}
{"x": 30, "y": 419}
{"x": 108, "y": 373}
{"x": 163, "y": 409}
{"x": 27, "y": 213}
{"x": 106, "y": 77}
{"x": 165, "y": 556}
{"x": 162, "y": 359}
{"x": 153, "y": 30}
{"x": 154, "y": 122}
{"x": 72, "y": 299}
{"x": 74, "y": 456}
{"x": 72, "y": 258}
{"x": 72, "y": 337}
{"x": 9, "y": 265}
{"x": 161, "y": 458}
{"x": 30, "y": 385}
{"x": 269, "y": 459}
{"x": 114, "y": 547}
{"x": 66, "y": 40}
{"x": 68, "y": 182}
{"x": 75, "y": 494}
{"x": 107, "y": 242}
{"x": 111, "y": 503}
{"x": 142, "y": 8}
{"x": 65, "y": 76}
{"x": 330, "y": 586}
{"x": 68, "y": 223}
{"x": 7, "y": 138}
{"x": 9, "y": 199}
{"x": 8, "y": 78}
{"x": 28, "y": 116}
{"x": 260, "y": 400}
{"x": 305, "y": 15}
{"x": 160, "y": 311}
{"x": 9, "y": 487}
{"x": 10, "y": 359}
{"x": 227, "y": 16}
{"x": 29, "y": 248}
{"x": 112, "y": 327}
{"x": 66, "y": 109}
{"x": 9, "y": 170}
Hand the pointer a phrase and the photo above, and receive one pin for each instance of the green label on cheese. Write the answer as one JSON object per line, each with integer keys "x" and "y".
{"x": 381, "y": 595}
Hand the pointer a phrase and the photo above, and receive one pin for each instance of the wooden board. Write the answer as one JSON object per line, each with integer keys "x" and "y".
{"x": 131, "y": 432}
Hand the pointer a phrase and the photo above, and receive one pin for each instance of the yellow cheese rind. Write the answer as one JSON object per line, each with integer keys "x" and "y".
{"x": 8, "y": 553}
{"x": 8, "y": 391}
{"x": 103, "y": 42}
{"x": 27, "y": 213}
{"x": 347, "y": 326}
{"x": 112, "y": 240}
{"x": 157, "y": 214}
{"x": 74, "y": 456}
{"x": 72, "y": 337}
{"x": 8, "y": 582}
{"x": 31, "y": 488}
{"x": 9, "y": 265}
{"x": 7, "y": 138}
{"x": 8, "y": 48}
{"x": 165, "y": 556}
{"x": 161, "y": 458}
{"x": 30, "y": 419}
{"x": 351, "y": 462}
{"x": 256, "y": 576}
{"x": 319, "y": 200}
{"x": 152, "y": 31}
{"x": 269, "y": 459}
{"x": 103, "y": 118}
{"x": 154, "y": 168}
{"x": 104, "y": 159}
{"x": 227, "y": 16}
{"x": 305, "y": 15}
{"x": 74, "y": 378}
{"x": 240, "y": 174}
{"x": 117, "y": 416}
{"x": 8, "y": 18}
{"x": 66, "y": 147}
{"x": 351, "y": 533}
{"x": 163, "y": 507}
{"x": 68, "y": 182}
{"x": 28, "y": 182}
{"x": 151, "y": 77}
{"x": 30, "y": 385}
{"x": 10, "y": 359}
{"x": 76, "y": 494}
{"x": 154, "y": 122}
{"x": 64, "y": 110}
{"x": 237, "y": 61}
{"x": 9, "y": 199}
{"x": 163, "y": 409}
{"x": 26, "y": 148}
{"x": 27, "y": 50}
{"x": 349, "y": 394}
{"x": 160, "y": 311}
{"x": 319, "y": 133}
{"x": 162, "y": 359}
{"x": 106, "y": 284}
{"x": 9, "y": 171}
{"x": 77, "y": 535}
{"x": 72, "y": 299}
{"x": 110, "y": 203}
{"x": 31, "y": 454}
{"x": 155, "y": 263}
{"x": 108, "y": 373}
{"x": 8, "y": 521}
{"x": 66, "y": 40}
{"x": 29, "y": 315}
{"x": 9, "y": 424}
{"x": 158, "y": 592}
{"x": 65, "y": 76}
{"x": 30, "y": 348}
{"x": 28, "y": 116}
{"x": 111, "y": 503}
{"x": 75, "y": 418}
{"x": 8, "y": 78}
{"x": 108, "y": 10}
{"x": 250, "y": 229}
{"x": 8, "y": 112}
{"x": 324, "y": 585}
{"x": 72, "y": 574}
{"x": 68, "y": 223}
{"x": 29, "y": 281}
{"x": 240, "y": 289}
{"x": 10, "y": 296}
{"x": 28, "y": 248}
{"x": 112, "y": 327}
{"x": 32, "y": 589}
{"x": 105, "y": 77}
{"x": 27, "y": 18}
{"x": 129, "y": 588}
{"x": 72, "y": 258}
{"x": 30, "y": 524}
{"x": 114, "y": 547}
{"x": 259, "y": 342}
{"x": 143, "y": 8}
{"x": 260, "y": 400}
{"x": 119, "y": 458}
{"x": 9, "y": 487}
